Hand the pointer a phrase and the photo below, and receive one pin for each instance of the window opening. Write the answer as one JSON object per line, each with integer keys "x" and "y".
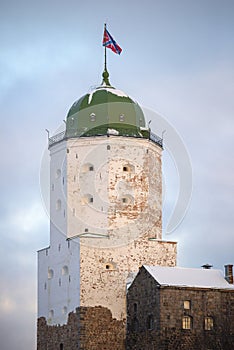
{"x": 92, "y": 117}
{"x": 187, "y": 304}
{"x": 121, "y": 118}
{"x": 135, "y": 307}
{"x": 186, "y": 322}
{"x": 150, "y": 322}
{"x": 209, "y": 323}
{"x": 50, "y": 274}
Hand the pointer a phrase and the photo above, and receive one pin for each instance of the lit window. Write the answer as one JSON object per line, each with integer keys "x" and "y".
{"x": 209, "y": 323}
{"x": 186, "y": 322}
{"x": 92, "y": 117}
{"x": 187, "y": 304}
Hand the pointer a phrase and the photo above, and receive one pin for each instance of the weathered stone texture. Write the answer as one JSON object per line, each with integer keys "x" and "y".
{"x": 89, "y": 328}
{"x": 166, "y": 306}
{"x": 103, "y": 272}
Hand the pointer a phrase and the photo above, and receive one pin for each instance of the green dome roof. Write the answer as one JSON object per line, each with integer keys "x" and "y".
{"x": 103, "y": 111}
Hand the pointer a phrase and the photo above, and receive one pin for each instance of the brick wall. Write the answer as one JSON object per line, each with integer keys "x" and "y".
{"x": 89, "y": 328}
{"x": 165, "y": 307}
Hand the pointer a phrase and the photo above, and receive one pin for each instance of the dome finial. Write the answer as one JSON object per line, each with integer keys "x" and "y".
{"x": 105, "y": 76}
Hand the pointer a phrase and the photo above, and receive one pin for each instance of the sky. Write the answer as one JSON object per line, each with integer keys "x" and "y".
{"x": 177, "y": 61}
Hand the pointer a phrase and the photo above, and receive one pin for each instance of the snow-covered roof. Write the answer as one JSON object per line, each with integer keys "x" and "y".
{"x": 188, "y": 277}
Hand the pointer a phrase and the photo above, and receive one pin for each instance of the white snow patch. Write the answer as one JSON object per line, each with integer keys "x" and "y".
{"x": 110, "y": 90}
{"x": 188, "y": 277}
{"x": 112, "y": 132}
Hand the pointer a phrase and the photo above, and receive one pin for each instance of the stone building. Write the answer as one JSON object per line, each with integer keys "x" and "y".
{"x": 172, "y": 308}
{"x": 105, "y": 221}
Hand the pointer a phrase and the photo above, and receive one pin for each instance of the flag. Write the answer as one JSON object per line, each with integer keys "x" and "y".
{"x": 109, "y": 42}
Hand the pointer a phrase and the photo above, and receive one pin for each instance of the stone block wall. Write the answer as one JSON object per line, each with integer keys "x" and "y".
{"x": 89, "y": 328}
{"x": 154, "y": 317}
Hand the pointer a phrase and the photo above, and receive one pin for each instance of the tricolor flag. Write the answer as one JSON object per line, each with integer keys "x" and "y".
{"x": 109, "y": 42}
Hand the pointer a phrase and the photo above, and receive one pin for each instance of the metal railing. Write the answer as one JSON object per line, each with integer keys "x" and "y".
{"x": 56, "y": 138}
{"x": 61, "y": 136}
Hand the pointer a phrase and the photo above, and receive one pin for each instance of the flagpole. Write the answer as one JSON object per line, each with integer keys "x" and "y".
{"x": 105, "y": 50}
{"x": 105, "y": 73}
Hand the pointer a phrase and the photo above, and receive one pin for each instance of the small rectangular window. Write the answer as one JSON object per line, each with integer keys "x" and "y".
{"x": 186, "y": 322}
{"x": 187, "y": 305}
{"x": 209, "y": 323}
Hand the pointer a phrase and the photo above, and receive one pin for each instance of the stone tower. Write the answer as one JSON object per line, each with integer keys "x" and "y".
{"x": 105, "y": 211}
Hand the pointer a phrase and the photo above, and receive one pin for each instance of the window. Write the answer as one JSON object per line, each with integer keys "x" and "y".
{"x": 209, "y": 323}
{"x": 186, "y": 322}
{"x": 135, "y": 307}
{"x": 121, "y": 118}
{"x": 150, "y": 322}
{"x": 187, "y": 305}
{"x": 92, "y": 117}
{"x": 129, "y": 168}
{"x": 135, "y": 325}
{"x": 58, "y": 173}
{"x": 50, "y": 274}
{"x": 87, "y": 167}
{"x": 51, "y": 313}
{"x": 65, "y": 270}
{"x": 108, "y": 147}
{"x": 61, "y": 346}
{"x": 58, "y": 204}
{"x": 88, "y": 198}
{"x": 64, "y": 310}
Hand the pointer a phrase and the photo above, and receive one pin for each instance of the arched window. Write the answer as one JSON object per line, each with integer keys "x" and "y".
{"x": 187, "y": 322}
{"x": 61, "y": 346}
{"x": 129, "y": 168}
{"x": 64, "y": 310}
{"x": 92, "y": 117}
{"x": 65, "y": 270}
{"x": 50, "y": 274}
